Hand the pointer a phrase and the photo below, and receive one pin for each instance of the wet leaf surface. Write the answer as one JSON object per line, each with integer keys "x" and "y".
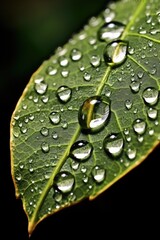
{"x": 90, "y": 113}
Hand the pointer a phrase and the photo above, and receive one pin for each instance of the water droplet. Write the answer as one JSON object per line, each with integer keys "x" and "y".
{"x": 95, "y": 61}
{"x": 128, "y": 104}
{"x": 40, "y": 85}
{"x": 113, "y": 144}
{"x": 115, "y": 53}
{"x": 94, "y": 113}
{"x": 45, "y": 147}
{"x": 64, "y": 94}
{"x": 76, "y": 54}
{"x": 110, "y": 31}
{"x": 64, "y": 73}
{"x": 44, "y": 131}
{"x": 51, "y": 71}
{"x": 64, "y": 182}
{"x": 81, "y": 150}
{"x": 63, "y": 61}
{"x": 55, "y": 117}
{"x": 139, "y": 126}
{"x": 108, "y": 15}
{"x": 135, "y": 86}
{"x": 131, "y": 153}
{"x": 87, "y": 76}
{"x": 98, "y": 174}
{"x": 150, "y": 96}
{"x": 152, "y": 113}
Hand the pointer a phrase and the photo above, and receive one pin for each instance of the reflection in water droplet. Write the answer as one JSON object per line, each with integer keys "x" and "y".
{"x": 150, "y": 96}
{"x": 64, "y": 94}
{"x": 81, "y": 150}
{"x": 139, "y": 126}
{"x": 152, "y": 113}
{"x": 135, "y": 86}
{"x": 113, "y": 145}
{"x": 76, "y": 54}
{"x": 55, "y": 117}
{"x": 64, "y": 182}
{"x": 45, "y": 147}
{"x": 110, "y": 31}
{"x": 115, "y": 53}
{"x": 40, "y": 85}
{"x": 94, "y": 113}
{"x": 44, "y": 131}
{"x": 98, "y": 174}
{"x": 95, "y": 61}
{"x": 131, "y": 153}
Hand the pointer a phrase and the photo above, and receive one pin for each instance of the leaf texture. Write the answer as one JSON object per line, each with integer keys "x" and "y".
{"x": 90, "y": 113}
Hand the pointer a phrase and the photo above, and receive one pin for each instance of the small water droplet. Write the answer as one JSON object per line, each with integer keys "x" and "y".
{"x": 45, "y": 147}
{"x": 81, "y": 150}
{"x": 113, "y": 145}
{"x": 135, "y": 86}
{"x": 87, "y": 76}
{"x": 152, "y": 113}
{"x": 40, "y": 85}
{"x": 76, "y": 54}
{"x": 128, "y": 104}
{"x": 64, "y": 182}
{"x": 51, "y": 71}
{"x": 64, "y": 94}
{"x": 131, "y": 153}
{"x": 44, "y": 131}
{"x": 63, "y": 61}
{"x": 55, "y": 117}
{"x": 98, "y": 174}
{"x": 65, "y": 73}
{"x": 110, "y": 31}
{"x": 94, "y": 113}
{"x": 115, "y": 53}
{"x": 150, "y": 96}
{"x": 108, "y": 15}
{"x": 139, "y": 126}
{"x": 95, "y": 61}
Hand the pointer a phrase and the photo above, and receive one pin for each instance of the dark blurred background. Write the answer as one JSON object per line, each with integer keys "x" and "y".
{"x": 30, "y": 32}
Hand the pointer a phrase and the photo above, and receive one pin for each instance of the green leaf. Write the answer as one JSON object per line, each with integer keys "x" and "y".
{"x": 90, "y": 113}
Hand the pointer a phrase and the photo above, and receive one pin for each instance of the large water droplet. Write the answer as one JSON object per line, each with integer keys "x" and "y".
{"x": 98, "y": 174}
{"x": 55, "y": 117}
{"x": 40, "y": 85}
{"x": 81, "y": 150}
{"x": 111, "y": 31}
{"x": 139, "y": 126}
{"x": 64, "y": 94}
{"x": 94, "y": 113}
{"x": 115, "y": 53}
{"x": 150, "y": 96}
{"x": 113, "y": 145}
{"x": 64, "y": 182}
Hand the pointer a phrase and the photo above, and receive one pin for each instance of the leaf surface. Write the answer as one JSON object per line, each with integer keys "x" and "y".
{"x": 90, "y": 113}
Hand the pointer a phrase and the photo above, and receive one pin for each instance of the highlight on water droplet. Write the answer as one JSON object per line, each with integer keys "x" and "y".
{"x": 76, "y": 54}
{"x": 139, "y": 126}
{"x": 55, "y": 118}
{"x": 64, "y": 94}
{"x": 94, "y": 113}
{"x": 40, "y": 85}
{"x": 81, "y": 150}
{"x": 110, "y": 31}
{"x": 115, "y": 53}
{"x": 113, "y": 145}
{"x": 64, "y": 182}
{"x": 150, "y": 96}
{"x": 98, "y": 174}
